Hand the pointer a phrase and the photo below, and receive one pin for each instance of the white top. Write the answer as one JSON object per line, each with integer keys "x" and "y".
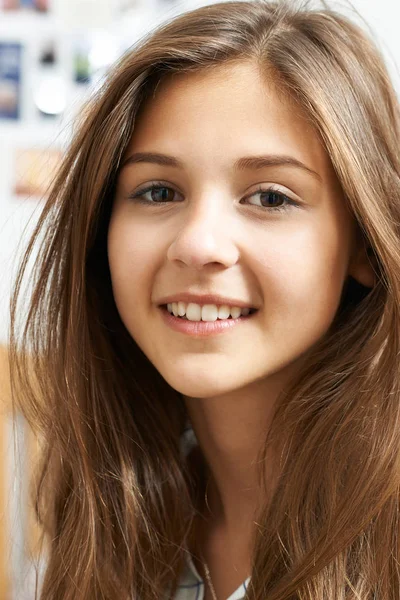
{"x": 191, "y": 585}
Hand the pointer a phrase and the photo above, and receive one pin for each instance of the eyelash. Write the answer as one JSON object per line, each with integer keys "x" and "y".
{"x": 138, "y": 197}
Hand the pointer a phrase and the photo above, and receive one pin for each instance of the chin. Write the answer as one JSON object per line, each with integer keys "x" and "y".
{"x": 198, "y": 385}
{"x": 196, "y": 390}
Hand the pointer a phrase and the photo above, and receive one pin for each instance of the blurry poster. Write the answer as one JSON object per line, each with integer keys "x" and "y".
{"x": 39, "y": 5}
{"x": 10, "y": 80}
{"x": 34, "y": 169}
{"x": 81, "y": 60}
{"x": 9, "y": 4}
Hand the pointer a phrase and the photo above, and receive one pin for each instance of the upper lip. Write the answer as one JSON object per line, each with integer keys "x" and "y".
{"x": 205, "y": 299}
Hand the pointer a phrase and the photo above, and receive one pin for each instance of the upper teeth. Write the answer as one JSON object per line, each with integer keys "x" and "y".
{"x": 208, "y": 312}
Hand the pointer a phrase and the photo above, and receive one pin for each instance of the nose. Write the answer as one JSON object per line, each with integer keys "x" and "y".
{"x": 206, "y": 236}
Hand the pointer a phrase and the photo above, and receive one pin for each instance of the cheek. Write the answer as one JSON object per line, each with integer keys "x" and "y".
{"x": 131, "y": 259}
{"x": 303, "y": 271}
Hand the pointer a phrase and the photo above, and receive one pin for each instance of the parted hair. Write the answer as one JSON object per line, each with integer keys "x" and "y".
{"x": 114, "y": 496}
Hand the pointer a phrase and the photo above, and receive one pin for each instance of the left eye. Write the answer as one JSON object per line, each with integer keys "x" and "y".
{"x": 270, "y": 197}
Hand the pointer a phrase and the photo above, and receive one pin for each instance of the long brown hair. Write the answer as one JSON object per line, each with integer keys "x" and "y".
{"x": 115, "y": 498}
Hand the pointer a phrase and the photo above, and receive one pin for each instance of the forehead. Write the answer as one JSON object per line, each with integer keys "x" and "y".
{"x": 228, "y": 111}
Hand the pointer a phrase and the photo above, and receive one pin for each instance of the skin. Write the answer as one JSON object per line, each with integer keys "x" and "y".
{"x": 215, "y": 237}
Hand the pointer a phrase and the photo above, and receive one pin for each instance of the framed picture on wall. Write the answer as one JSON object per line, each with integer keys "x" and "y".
{"x": 38, "y": 5}
{"x": 34, "y": 169}
{"x": 10, "y": 80}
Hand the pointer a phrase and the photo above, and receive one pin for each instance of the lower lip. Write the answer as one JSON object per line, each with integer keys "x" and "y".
{"x": 202, "y": 328}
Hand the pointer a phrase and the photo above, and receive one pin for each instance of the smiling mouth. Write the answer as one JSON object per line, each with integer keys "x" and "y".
{"x": 226, "y": 316}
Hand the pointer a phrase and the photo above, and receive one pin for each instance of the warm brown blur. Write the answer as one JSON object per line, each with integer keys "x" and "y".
{"x": 30, "y": 449}
{"x": 5, "y": 408}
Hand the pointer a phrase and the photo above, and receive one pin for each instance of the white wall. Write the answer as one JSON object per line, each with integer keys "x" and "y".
{"x": 383, "y": 17}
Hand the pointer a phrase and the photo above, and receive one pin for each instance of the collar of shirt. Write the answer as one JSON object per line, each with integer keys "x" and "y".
{"x": 191, "y": 585}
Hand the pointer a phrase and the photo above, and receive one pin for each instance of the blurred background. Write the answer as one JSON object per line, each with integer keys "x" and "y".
{"x": 53, "y": 56}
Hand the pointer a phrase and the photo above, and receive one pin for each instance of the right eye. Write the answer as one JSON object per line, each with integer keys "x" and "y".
{"x": 159, "y": 194}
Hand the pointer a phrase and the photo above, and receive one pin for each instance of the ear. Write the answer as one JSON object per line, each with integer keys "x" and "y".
{"x": 363, "y": 265}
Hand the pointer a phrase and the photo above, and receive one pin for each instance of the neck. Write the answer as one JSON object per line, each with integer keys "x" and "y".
{"x": 230, "y": 433}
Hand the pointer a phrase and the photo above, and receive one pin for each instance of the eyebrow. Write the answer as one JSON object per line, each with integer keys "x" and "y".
{"x": 242, "y": 164}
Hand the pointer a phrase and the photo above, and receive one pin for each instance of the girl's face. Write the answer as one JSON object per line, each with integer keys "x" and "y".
{"x": 213, "y": 226}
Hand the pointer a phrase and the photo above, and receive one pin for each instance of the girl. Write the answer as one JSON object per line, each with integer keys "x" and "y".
{"x": 211, "y": 349}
